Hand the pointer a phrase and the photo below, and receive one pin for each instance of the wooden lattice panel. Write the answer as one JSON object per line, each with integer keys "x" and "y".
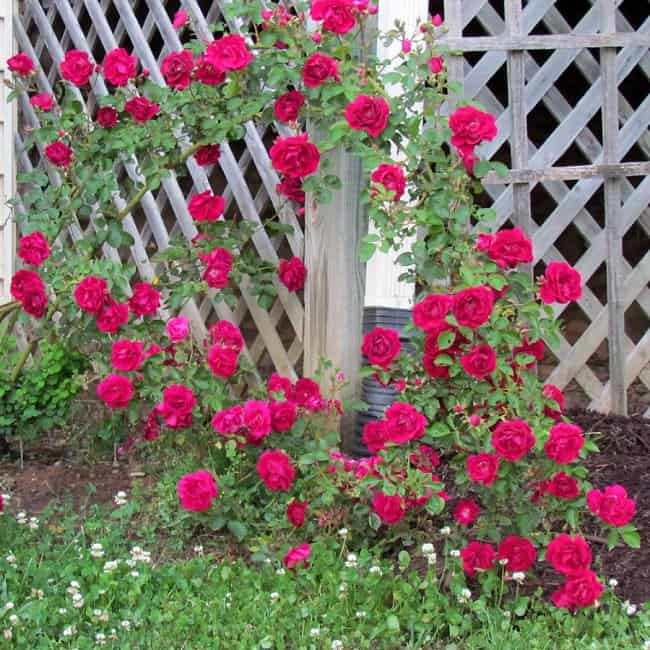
{"x": 244, "y": 176}
{"x": 573, "y": 128}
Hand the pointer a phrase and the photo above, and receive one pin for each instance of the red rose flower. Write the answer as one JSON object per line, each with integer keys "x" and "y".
{"x": 404, "y": 423}
{"x": 381, "y": 346}
{"x": 177, "y": 329}
{"x": 519, "y": 553}
{"x": 42, "y": 101}
{"x": 292, "y": 189}
{"x": 470, "y": 127}
{"x": 196, "y": 491}
{"x": 563, "y": 486}
{"x": 482, "y": 468}
{"x": 369, "y": 114}
{"x": 294, "y": 156}
{"x": 141, "y": 109}
{"x": 181, "y": 18}
{"x": 112, "y": 316}
{"x": 91, "y": 294}
{"x": 177, "y": 69}
{"x": 35, "y": 301}
{"x": 569, "y": 554}
{"x": 275, "y": 469}
{"x": 553, "y": 394}
{"x": 510, "y": 247}
{"x": 206, "y": 206}
{"x": 207, "y": 155}
{"x": 21, "y": 64}
{"x": 564, "y": 443}
{"x": 227, "y": 335}
{"x": 306, "y": 393}
{"x": 612, "y": 505}
{"x": 219, "y": 263}
{"x": 513, "y": 439}
{"x": 292, "y": 273}
{"x": 375, "y": 435}
{"x": 431, "y": 312}
{"x": 33, "y": 249}
{"x": 318, "y": 69}
{"x": 278, "y": 385}
{"x": 119, "y": 67}
{"x": 390, "y": 509}
{"x": 534, "y": 349}
{"x": 561, "y": 283}
{"x": 296, "y": 512}
{"x": 115, "y": 391}
{"x": 337, "y": 15}
{"x": 426, "y": 459}
{"x": 77, "y": 67}
{"x": 472, "y": 307}
{"x": 257, "y": 420}
{"x": 581, "y": 589}
{"x": 107, "y": 117}
{"x": 287, "y": 106}
{"x": 392, "y": 177}
{"x": 283, "y": 416}
{"x": 477, "y": 556}
{"x": 59, "y": 154}
{"x": 480, "y": 361}
{"x": 126, "y": 355}
{"x": 229, "y": 53}
{"x": 436, "y": 64}
{"x": 297, "y": 556}
{"x": 145, "y": 300}
{"x": 466, "y": 512}
{"x": 177, "y": 406}
{"x": 222, "y": 361}
{"x": 230, "y": 421}
{"x": 208, "y": 72}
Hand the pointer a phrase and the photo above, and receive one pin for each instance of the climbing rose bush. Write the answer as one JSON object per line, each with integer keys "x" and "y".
{"x": 474, "y": 441}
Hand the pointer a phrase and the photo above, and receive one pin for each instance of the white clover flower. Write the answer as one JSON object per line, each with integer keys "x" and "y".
{"x": 376, "y": 569}
{"x": 519, "y": 576}
{"x": 337, "y": 645}
{"x": 100, "y": 638}
{"x": 198, "y": 549}
{"x": 21, "y": 518}
{"x": 314, "y": 632}
{"x": 134, "y": 574}
{"x": 343, "y": 587}
{"x": 274, "y": 596}
{"x": 11, "y": 558}
{"x": 630, "y": 610}
{"x": 7, "y": 634}
{"x": 428, "y": 549}
{"x": 343, "y": 532}
{"x": 503, "y": 561}
{"x": 33, "y": 523}
{"x": 74, "y": 584}
{"x": 38, "y": 593}
{"x": 431, "y": 558}
{"x": 111, "y": 565}
{"x": 446, "y": 531}
{"x": 97, "y": 612}
{"x": 97, "y": 550}
{"x": 351, "y": 561}
{"x": 507, "y": 614}
{"x": 13, "y": 619}
{"x": 139, "y": 555}
{"x": 62, "y": 611}
{"x": 77, "y": 601}
{"x": 9, "y": 606}
{"x": 613, "y": 583}
{"x": 70, "y": 630}
{"x": 120, "y": 498}
{"x": 113, "y": 634}
{"x": 646, "y": 645}
{"x": 130, "y": 563}
{"x": 125, "y": 625}
{"x": 280, "y": 571}
{"x": 454, "y": 553}
{"x": 361, "y": 614}
{"x": 466, "y": 593}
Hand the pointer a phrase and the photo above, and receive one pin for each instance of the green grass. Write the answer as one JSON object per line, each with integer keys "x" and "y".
{"x": 197, "y": 602}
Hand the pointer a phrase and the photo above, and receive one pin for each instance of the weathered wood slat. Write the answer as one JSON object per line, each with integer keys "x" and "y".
{"x": 569, "y": 173}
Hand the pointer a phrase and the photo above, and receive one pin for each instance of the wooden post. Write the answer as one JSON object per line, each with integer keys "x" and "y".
{"x": 7, "y": 169}
{"x": 613, "y": 230}
{"x": 335, "y": 277}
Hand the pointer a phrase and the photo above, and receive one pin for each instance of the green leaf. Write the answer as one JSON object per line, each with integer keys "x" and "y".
{"x": 631, "y": 538}
{"x": 238, "y": 530}
{"x": 366, "y": 251}
{"x": 612, "y": 539}
{"x": 392, "y": 623}
{"x": 446, "y": 339}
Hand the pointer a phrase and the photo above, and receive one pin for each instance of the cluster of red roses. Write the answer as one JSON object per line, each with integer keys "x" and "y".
{"x": 27, "y": 286}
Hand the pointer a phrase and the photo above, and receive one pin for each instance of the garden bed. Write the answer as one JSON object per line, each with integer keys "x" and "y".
{"x": 52, "y": 474}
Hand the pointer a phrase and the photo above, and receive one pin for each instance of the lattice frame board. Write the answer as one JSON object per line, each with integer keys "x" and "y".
{"x": 532, "y": 80}
{"x": 244, "y": 176}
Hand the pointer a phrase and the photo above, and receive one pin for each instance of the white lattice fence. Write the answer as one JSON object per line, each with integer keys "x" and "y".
{"x": 570, "y": 88}
{"x": 244, "y": 176}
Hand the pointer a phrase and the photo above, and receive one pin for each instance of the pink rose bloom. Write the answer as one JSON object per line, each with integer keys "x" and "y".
{"x": 196, "y": 491}
{"x": 177, "y": 328}
{"x": 42, "y": 101}
{"x": 181, "y": 18}
{"x": 297, "y": 556}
